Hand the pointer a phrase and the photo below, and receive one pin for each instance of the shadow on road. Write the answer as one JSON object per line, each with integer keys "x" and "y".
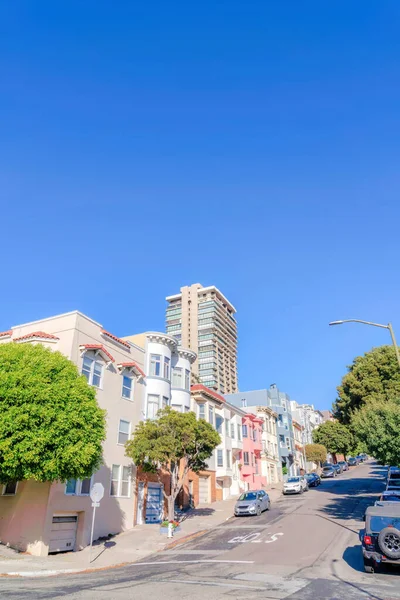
{"x": 348, "y": 507}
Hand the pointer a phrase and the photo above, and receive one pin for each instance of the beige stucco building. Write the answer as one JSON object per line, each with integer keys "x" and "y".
{"x": 42, "y": 517}
{"x": 203, "y": 319}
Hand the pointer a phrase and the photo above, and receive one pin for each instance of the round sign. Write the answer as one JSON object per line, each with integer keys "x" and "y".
{"x": 97, "y": 492}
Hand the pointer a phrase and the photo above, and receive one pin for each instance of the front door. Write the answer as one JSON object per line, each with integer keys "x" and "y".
{"x": 154, "y": 503}
{"x": 204, "y": 489}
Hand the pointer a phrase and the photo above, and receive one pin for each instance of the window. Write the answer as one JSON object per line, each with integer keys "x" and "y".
{"x": 127, "y": 387}
{"x": 256, "y": 466}
{"x": 176, "y": 407}
{"x": 165, "y": 401}
{"x": 78, "y": 487}
{"x": 211, "y": 414}
{"x": 10, "y": 488}
{"x": 220, "y": 458}
{"x": 288, "y": 443}
{"x": 244, "y": 402}
{"x": 244, "y": 431}
{"x": 93, "y": 371}
{"x": 233, "y": 431}
{"x": 201, "y": 411}
{"x": 120, "y": 481}
{"x": 252, "y": 460}
{"x": 123, "y": 431}
{"x": 254, "y": 435}
{"x": 227, "y": 427}
{"x": 228, "y": 459}
{"x": 166, "y": 367}
{"x": 187, "y": 379}
{"x": 153, "y": 404}
{"x": 239, "y": 432}
{"x": 218, "y": 423}
{"x": 155, "y": 365}
{"x": 177, "y": 377}
{"x": 245, "y": 458}
{"x": 282, "y": 441}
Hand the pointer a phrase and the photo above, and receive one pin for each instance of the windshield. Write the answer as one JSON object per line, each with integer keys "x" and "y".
{"x": 248, "y": 496}
{"x": 328, "y": 468}
{"x": 395, "y": 483}
{"x": 390, "y": 498}
{"x": 379, "y": 523}
{"x": 293, "y": 480}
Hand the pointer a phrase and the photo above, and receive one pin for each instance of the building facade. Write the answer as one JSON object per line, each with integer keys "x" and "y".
{"x": 167, "y": 383}
{"x": 43, "y": 517}
{"x": 251, "y": 469}
{"x": 271, "y": 467}
{"x": 203, "y": 320}
{"x": 280, "y": 404}
{"x": 300, "y": 461}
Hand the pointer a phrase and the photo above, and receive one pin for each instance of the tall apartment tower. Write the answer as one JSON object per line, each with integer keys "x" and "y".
{"x": 202, "y": 319}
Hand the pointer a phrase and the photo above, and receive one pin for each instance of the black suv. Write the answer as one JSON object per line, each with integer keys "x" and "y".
{"x": 381, "y": 539}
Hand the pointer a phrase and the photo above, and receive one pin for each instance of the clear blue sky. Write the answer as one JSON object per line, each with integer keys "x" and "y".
{"x": 249, "y": 145}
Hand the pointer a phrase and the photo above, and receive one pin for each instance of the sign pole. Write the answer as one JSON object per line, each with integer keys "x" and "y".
{"x": 91, "y": 534}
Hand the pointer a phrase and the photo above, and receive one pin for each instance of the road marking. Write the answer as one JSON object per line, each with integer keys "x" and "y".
{"x": 212, "y": 583}
{"x": 274, "y": 538}
{"x": 179, "y": 562}
{"x": 252, "y": 538}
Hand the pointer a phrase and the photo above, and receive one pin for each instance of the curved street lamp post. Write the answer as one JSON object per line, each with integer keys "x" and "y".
{"x": 388, "y": 326}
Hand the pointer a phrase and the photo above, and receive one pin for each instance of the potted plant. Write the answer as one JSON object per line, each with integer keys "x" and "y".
{"x": 164, "y": 526}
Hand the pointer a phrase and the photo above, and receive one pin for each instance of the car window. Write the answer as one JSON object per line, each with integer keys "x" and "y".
{"x": 394, "y": 483}
{"x": 379, "y": 523}
{"x": 293, "y": 479}
{"x": 248, "y": 496}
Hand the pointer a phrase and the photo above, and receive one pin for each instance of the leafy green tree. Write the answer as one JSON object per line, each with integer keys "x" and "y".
{"x": 375, "y": 376}
{"x": 174, "y": 443}
{"x": 377, "y": 426}
{"x": 51, "y": 427}
{"x": 316, "y": 453}
{"x": 335, "y": 437}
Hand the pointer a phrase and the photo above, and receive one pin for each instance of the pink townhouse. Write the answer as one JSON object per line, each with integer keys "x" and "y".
{"x": 251, "y": 458}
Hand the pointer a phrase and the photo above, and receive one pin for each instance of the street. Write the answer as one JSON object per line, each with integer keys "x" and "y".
{"x": 305, "y": 547}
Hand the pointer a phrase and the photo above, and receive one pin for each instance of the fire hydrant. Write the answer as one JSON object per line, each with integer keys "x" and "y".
{"x": 170, "y": 530}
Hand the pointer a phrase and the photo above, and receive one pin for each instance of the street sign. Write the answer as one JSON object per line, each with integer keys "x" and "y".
{"x": 97, "y": 492}
{"x": 95, "y": 504}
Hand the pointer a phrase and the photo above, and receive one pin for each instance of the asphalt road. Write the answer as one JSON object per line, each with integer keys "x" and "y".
{"x": 305, "y": 547}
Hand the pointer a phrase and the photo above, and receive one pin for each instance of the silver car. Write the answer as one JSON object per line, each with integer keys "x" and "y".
{"x": 295, "y": 485}
{"x": 252, "y": 503}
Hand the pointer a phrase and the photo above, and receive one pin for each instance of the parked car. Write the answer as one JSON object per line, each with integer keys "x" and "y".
{"x": 393, "y": 485}
{"x": 389, "y": 496}
{"x": 295, "y": 485}
{"x": 252, "y": 503}
{"x": 328, "y": 472}
{"x": 313, "y": 479}
{"x": 360, "y": 457}
{"x": 344, "y": 465}
{"x": 381, "y": 539}
{"x": 352, "y": 462}
{"x": 338, "y": 468}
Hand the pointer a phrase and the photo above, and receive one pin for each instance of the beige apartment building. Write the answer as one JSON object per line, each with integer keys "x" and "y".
{"x": 43, "y": 517}
{"x": 203, "y": 320}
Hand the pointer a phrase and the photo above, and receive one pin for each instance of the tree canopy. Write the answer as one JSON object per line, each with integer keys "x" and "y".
{"x": 316, "y": 453}
{"x": 174, "y": 443}
{"x": 51, "y": 427}
{"x": 375, "y": 376}
{"x": 335, "y": 437}
{"x": 377, "y": 426}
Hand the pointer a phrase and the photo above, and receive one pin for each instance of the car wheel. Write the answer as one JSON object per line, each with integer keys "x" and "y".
{"x": 389, "y": 542}
{"x": 258, "y": 511}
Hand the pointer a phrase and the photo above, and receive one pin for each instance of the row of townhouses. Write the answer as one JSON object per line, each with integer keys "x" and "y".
{"x": 262, "y": 432}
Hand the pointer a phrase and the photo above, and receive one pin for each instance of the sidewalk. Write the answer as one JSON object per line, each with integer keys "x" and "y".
{"x": 124, "y": 548}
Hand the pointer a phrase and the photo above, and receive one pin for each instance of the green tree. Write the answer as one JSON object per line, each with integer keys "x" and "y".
{"x": 335, "y": 437}
{"x": 51, "y": 427}
{"x": 377, "y": 427}
{"x": 173, "y": 443}
{"x": 375, "y": 376}
{"x": 316, "y": 453}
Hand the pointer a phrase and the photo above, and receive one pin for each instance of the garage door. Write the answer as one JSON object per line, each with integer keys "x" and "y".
{"x": 63, "y": 533}
{"x": 204, "y": 490}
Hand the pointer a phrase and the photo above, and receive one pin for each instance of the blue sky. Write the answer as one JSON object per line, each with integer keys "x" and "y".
{"x": 249, "y": 145}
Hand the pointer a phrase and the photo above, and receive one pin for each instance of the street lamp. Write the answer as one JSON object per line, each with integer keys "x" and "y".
{"x": 388, "y": 326}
